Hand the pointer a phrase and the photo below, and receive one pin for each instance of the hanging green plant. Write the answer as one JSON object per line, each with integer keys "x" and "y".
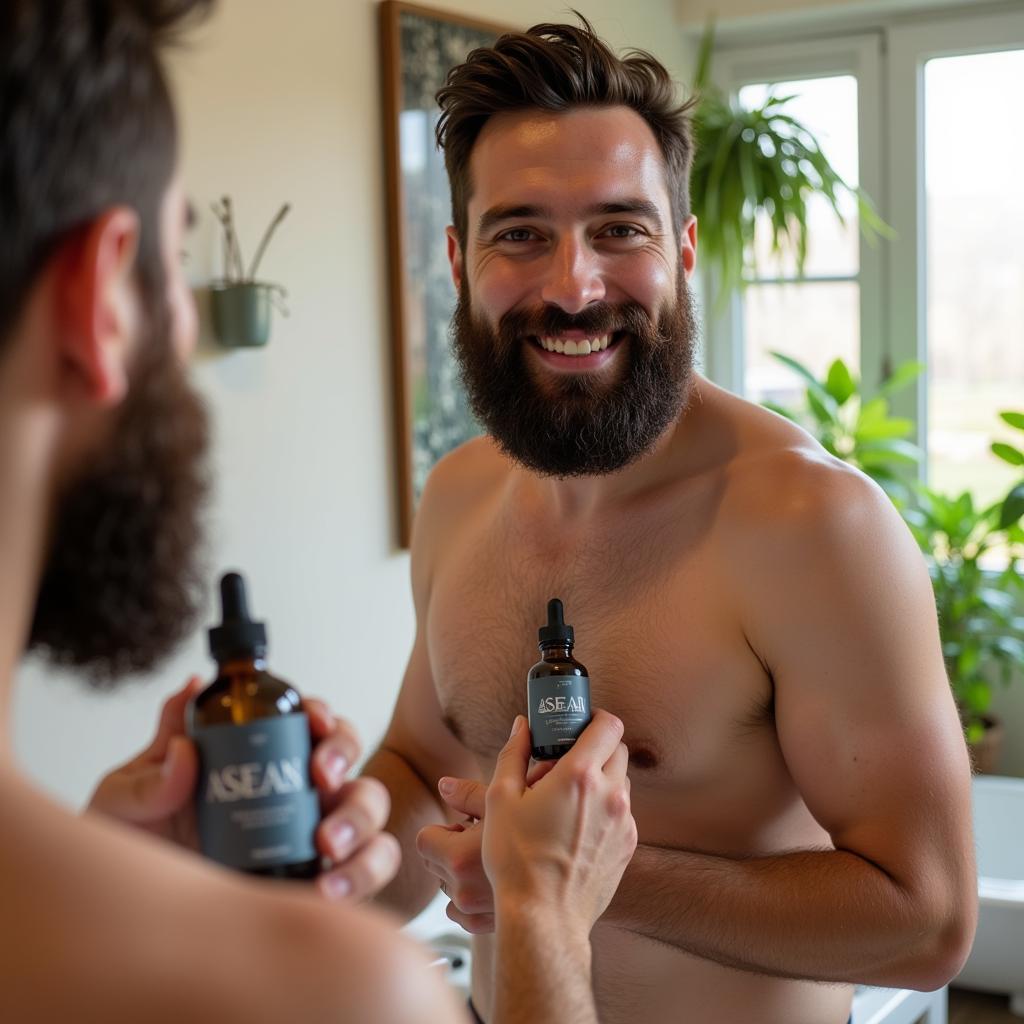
{"x": 759, "y": 161}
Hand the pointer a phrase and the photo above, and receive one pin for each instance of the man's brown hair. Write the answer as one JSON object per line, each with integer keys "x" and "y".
{"x": 556, "y": 68}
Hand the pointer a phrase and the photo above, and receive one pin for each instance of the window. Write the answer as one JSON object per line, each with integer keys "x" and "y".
{"x": 974, "y": 259}
{"x": 817, "y": 317}
{"x": 925, "y": 115}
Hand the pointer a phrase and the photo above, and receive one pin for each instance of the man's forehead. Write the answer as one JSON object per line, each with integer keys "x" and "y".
{"x": 589, "y": 153}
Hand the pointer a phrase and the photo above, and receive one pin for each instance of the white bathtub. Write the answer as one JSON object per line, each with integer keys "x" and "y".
{"x": 996, "y": 963}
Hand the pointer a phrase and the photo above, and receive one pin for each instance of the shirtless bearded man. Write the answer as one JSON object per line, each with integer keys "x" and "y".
{"x": 754, "y": 611}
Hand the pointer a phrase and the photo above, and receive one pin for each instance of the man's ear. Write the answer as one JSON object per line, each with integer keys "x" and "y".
{"x": 454, "y": 257}
{"x": 688, "y": 245}
{"x": 100, "y": 306}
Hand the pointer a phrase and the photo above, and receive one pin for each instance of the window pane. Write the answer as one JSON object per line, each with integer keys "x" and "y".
{"x": 815, "y": 323}
{"x": 827, "y": 107}
{"x": 974, "y": 150}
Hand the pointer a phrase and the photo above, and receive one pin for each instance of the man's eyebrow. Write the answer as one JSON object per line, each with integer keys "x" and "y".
{"x": 638, "y": 207}
{"x": 496, "y": 214}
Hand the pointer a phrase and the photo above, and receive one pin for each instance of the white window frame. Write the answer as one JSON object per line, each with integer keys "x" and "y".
{"x": 911, "y": 46}
{"x": 888, "y": 59}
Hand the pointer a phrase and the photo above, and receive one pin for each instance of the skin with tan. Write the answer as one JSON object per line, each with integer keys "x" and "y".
{"x": 754, "y": 611}
{"x": 102, "y": 922}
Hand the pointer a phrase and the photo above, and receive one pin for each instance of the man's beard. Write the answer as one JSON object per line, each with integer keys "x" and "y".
{"x": 122, "y": 585}
{"x": 577, "y": 425}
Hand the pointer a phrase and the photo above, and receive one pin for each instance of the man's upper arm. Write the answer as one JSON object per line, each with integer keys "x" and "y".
{"x": 841, "y": 609}
{"x": 417, "y": 731}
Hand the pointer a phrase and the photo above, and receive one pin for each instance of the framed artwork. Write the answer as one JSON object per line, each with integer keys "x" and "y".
{"x": 432, "y": 414}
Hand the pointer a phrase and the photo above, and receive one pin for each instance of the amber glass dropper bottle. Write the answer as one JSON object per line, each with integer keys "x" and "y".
{"x": 256, "y": 807}
{"x": 558, "y": 690}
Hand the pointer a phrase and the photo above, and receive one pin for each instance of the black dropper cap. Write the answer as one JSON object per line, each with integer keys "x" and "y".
{"x": 237, "y": 636}
{"x": 556, "y": 631}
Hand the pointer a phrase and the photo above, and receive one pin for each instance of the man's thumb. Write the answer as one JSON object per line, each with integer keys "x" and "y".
{"x": 146, "y": 793}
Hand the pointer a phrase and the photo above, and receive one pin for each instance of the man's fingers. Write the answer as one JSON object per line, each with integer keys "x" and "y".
{"x": 337, "y": 745}
{"x": 464, "y": 795}
{"x": 362, "y": 811}
{"x": 365, "y": 873}
{"x": 510, "y": 768}
{"x": 434, "y": 842}
{"x": 596, "y": 743}
{"x": 147, "y": 793}
{"x": 475, "y": 924}
{"x": 172, "y": 719}
{"x": 538, "y": 770}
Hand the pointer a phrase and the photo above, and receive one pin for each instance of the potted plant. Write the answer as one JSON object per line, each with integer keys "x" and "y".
{"x": 750, "y": 162}
{"x": 854, "y": 428}
{"x": 981, "y": 610}
{"x": 241, "y": 303}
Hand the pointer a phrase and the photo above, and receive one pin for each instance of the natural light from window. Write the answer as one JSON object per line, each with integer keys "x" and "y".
{"x": 974, "y": 155}
{"x": 817, "y": 319}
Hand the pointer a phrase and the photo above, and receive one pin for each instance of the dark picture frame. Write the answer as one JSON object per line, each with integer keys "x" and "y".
{"x": 431, "y": 413}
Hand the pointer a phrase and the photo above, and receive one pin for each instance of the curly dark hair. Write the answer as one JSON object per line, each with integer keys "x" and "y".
{"x": 86, "y": 123}
{"x": 555, "y": 68}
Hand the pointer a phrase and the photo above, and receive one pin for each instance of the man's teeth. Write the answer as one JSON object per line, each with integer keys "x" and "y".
{"x": 577, "y": 348}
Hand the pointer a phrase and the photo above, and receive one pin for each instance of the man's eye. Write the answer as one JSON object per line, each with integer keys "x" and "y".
{"x": 516, "y": 235}
{"x": 621, "y": 231}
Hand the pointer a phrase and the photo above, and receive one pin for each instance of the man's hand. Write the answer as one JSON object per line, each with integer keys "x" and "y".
{"x": 155, "y": 791}
{"x": 563, "y": 843}
{"x": 455, "y": 853}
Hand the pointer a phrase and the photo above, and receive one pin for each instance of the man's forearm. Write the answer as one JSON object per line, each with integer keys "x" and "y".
{"x": 413, "y": 807}
{"x": 542, "y": 971}
{"x": 820, "y": 915}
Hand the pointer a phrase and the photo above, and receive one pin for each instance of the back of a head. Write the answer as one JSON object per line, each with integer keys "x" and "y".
{"x": 556, "y": 68}
{"x": 86, "y": 123}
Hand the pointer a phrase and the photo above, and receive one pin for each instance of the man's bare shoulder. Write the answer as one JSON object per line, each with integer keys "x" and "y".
{"x": 460, "y": 484}
{"x": 789, "y": 508}
{"x": 465, "y": 475}
{"x": 136, "y": 929}
{"x": 780, "y": 478}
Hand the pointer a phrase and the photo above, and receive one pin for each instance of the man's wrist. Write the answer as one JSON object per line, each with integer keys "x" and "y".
{"x": 540, "y": 920}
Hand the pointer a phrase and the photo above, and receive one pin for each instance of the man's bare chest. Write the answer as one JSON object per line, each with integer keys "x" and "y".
{"x": 657, "y": 634}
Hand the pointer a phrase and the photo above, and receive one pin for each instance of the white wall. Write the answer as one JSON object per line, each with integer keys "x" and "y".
{"x": 281, "y": 102}
{"x": 752, "y": 21}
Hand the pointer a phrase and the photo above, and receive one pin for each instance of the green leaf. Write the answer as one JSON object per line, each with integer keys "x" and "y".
{"x": 1015, "y": 419}
{"x": 879, "y": 430}
{"x": 1014, "y": 456}
{"x": 840, "y": 383}
{"x": 889, "y": 450}
{"x": 976, "y": 695}
{"x": 1012, "y": 508}
{"x": 823, "y": 406}
{"x": 974, "y": 732}
{"x": 901, "y": 377}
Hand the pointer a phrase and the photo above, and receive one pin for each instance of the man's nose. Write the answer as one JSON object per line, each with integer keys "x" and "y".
{"x": 574, "y": 279}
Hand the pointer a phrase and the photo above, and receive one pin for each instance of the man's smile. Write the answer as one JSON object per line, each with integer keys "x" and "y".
{"x": 576, "y": 351}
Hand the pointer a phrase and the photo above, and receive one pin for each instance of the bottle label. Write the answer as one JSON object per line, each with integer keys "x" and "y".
{"x": 559, "y": 709}
{"x": 256, "y": 805}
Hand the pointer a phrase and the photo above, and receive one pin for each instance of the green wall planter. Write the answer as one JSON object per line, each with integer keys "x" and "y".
{"x": 241, "y": 314}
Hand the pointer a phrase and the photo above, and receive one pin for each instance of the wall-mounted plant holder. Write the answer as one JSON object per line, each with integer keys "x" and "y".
{"x": 241, "y": 312}
{"x": 240, "y": 304}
